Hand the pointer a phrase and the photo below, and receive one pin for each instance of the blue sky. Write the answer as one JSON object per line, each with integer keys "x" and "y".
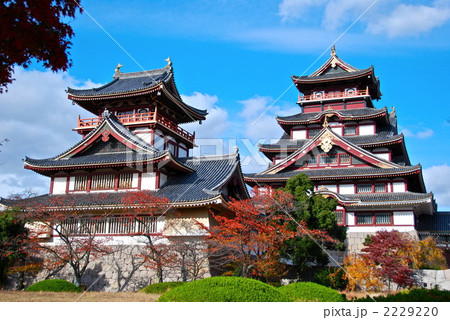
{"x": 235, "y": 58}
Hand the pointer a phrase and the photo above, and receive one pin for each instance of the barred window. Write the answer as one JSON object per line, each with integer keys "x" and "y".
{"x": 80, "y": 183}
{"x": 103, "y": 181}
{"x": 364, "y": 188}
{"x": 344, "y": 158}
{"x": 383, "y": 218}
{"x": 350, "y": 131}
{"x": 380, "y": 187}
{"x": 125, "y": 181}
{"x": 364, "y": 218}
{"x": 339, "y": 217}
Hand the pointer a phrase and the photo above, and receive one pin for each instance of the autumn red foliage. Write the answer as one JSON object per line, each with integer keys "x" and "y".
{"x": 252, "y": 237}
{"x": 389, "y": 250}
{"x": 34, "y": 29}
{"x": 75, "y": 242}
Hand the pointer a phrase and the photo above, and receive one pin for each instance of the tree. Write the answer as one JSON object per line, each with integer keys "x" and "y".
{"x": 73, "y": 229}
{"x": 317, "y": 213}
{"x": 34, "y": 29}
{"x": 362, "y": 273}
{"x": 147, "y": 209}
{"x": 253, "y": 236}
{"x": 389, "y": 251}
{"x": 426, "y": 255}
{"x": 13, "y": 241}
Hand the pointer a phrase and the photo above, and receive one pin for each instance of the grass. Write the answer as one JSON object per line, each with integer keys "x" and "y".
{"x": 22, "y": 296}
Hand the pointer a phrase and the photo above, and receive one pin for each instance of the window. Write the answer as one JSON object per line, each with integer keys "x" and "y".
{"x": 364, "y": 188}
{"x": 110, "y": 225}
{"x": 329, "y": 159}
{"x": 377, "y": 218}
{"x": 380, "y": 187}
{"x": 313, "y": 132}
{"x": 125, "y": 181}
{"x": 318, "y": 94}
{"x": 383, "y": 218}
{"x": 350, "y": 131}
{"x": 364, "y": 218}
{"x": 344, "y": 159}
{"x": 80, "y": 183}
{"x": 103, "y": 181}
{"x": 350, "y": 91}
{"x": 339, "y": 217}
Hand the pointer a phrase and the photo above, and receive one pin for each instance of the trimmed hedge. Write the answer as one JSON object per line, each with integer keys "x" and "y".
{"x": 54, "y": 285}
{"x": 309, "y": 291}
{"x": 413, "y": 295}
{"x": 224, "y": 289}
{"x": 161, "y": 287}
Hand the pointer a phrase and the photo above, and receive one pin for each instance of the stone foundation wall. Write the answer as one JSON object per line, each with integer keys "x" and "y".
{"x": 355, "y": 240}
{"x": 123, "y": 270}
{"x": 434, "y": 278}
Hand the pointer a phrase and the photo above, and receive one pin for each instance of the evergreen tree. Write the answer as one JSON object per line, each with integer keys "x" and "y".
{"x": 317, "y": 212}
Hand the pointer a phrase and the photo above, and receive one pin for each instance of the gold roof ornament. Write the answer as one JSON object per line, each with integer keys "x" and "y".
{"x": 333, "y": 51}
{"x": 118, "y": 68}
{"x": 169, "y": 62}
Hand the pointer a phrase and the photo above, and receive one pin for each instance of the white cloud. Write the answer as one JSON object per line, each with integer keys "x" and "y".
{"x": 216, "y": 123}
{"x": 340, "y": 12}
{"x": 436, "y": 180}
{"x": 37, "y": 119}
{"x": 421, "y": 133}
{"x": 409, "y": 20}
{"x": 296, "y": 9}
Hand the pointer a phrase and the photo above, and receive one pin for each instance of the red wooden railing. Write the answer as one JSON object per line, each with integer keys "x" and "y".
{"x": 333, "y": 95}
{"x": 148, "y": 117}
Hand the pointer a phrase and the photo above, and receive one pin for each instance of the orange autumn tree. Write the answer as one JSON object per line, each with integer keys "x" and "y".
{"x": 253, "y": 236}
{"x": 426, "y": 255}
{"x": 362, "y": 273}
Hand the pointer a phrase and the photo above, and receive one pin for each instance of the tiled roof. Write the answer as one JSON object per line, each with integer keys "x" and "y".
{"x": 205, "y": 183}
{"x": 348, "y": 113}
{"x": 336, "y": 173}
{"x": 66, "y": 158}
{"x": 127, "y": 82}
{"x": 136, "y": 82}
{"x": 335, "y": 75}
{"x": 287, "y": 144}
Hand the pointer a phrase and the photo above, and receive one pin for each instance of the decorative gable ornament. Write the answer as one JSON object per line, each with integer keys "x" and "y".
{"x": 326, "y": 144}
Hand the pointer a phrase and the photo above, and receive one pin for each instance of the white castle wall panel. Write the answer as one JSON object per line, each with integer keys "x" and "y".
{"x": 148, "y": 181}
{"x": 59, "y": 185}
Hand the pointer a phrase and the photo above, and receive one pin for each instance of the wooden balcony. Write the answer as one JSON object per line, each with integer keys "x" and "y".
{"x": 333, "y": 95}
{"x": 138, "y": 118}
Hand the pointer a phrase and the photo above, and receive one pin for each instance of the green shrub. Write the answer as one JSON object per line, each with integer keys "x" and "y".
{"x": 413, "y": 295}
{"x": 331, "y": 277}
{"x": 308, "y": 291}
{"x": 161, "y": 287}
{"x": 223, "y": 289}
{"x": 54, "y": 285}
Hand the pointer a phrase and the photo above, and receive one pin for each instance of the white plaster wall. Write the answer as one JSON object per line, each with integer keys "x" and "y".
{"x": 135, "y": 181}
{"x": 398, "y": 187}
{"x": 384, "y": 156}
{"x": 373, "y": 229}
{"x": 404, "y": 218}
{"x": 366, "y": 129}
{"x": 298, "y": 134}
{"x": 337, "y": 130}
{"x": 346, "y": 188}
{"x": 148, "y": 181}
{"x": 59, "y": 185}
{"x": 72, "y": 183}
{"x": 350, "y": 218}
{"x": 147, "y": 137}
